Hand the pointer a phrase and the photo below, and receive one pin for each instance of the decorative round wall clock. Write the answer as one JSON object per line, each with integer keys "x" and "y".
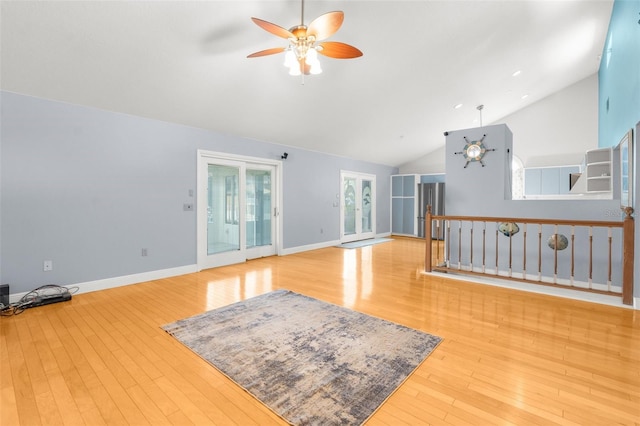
{"x": 474, "y": 151}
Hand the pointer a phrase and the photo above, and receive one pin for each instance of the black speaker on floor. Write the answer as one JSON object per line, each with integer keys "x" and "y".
{"x": 4, "y": 294}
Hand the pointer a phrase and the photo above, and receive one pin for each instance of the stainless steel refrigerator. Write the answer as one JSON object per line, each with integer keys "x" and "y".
{"x": 430, "y": 194}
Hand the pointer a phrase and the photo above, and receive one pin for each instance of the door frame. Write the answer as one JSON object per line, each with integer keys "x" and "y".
{"x": 358, "y": 235}
{"x": 205, "y": 156}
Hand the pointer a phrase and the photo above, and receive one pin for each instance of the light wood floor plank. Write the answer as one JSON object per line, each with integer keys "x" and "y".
{"x": 64, "y": 401}
{"x": 507, "y": 357}
{"x": 147, "y": 406}
{"x": 107, "y": 406}
{"x": 25, "y": 398}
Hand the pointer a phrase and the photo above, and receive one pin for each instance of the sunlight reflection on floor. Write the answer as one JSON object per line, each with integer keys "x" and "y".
{"x": 229, "y": 290}
{"x": 357, "y": 275}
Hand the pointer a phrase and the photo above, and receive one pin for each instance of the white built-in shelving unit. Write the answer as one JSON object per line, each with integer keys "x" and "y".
{"x": 598, "y": 170}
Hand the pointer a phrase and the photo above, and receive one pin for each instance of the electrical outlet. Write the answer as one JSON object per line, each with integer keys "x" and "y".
{"x": 47, "y": 265}
{"x": 144, "y": 252}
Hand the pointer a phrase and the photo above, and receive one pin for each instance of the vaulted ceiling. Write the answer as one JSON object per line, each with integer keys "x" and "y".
{"x": 186, "y": 62}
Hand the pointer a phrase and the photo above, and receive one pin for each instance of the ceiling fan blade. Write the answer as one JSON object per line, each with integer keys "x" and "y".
{"x": 266, "y": 52}
{"x": 325, "y": 25}
{"x": 335, "y": 49}
{"x": 273, "y": 28}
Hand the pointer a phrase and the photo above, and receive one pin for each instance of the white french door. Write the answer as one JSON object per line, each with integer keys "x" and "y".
{"x": 357, "y": 206}
{"x": 238, "y": 207}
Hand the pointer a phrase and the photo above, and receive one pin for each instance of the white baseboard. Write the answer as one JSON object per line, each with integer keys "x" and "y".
{"x": 300, "y": 249}
{"x": 324, "y": 244}
{"x": 106, "y": 283}
{"x": 542, "y": 289}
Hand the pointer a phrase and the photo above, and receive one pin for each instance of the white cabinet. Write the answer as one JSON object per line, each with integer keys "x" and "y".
{"x": 597, "y": 175}
{"x": 598, "y": 170}
{"x": 548, "y": 180}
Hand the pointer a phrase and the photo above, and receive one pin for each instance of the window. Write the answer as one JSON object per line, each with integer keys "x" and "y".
{"x": 517, "y": 178}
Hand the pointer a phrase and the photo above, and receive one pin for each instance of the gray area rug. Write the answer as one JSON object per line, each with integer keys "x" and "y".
{"x": 309, "y": 361}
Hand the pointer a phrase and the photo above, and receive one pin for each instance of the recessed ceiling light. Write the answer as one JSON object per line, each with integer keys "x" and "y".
{"x": 517, "y": 73}
{"x": 457, "y": 106}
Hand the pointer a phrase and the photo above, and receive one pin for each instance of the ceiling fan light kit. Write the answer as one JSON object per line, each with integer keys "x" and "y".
{"x": 299, "y": 58}
{"x": 301, "y": 55}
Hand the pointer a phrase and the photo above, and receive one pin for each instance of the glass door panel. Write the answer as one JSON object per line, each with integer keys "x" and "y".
{"x": 223, "y": 209}
{"x": 366, "y": 206}
{"x": 349, "y": 202}
{"x": 259, "y": 217}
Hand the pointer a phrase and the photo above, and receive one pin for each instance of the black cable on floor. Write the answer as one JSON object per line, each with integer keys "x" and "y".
{"x": 29, "y": 298}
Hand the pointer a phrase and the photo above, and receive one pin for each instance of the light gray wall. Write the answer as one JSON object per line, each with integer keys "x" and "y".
{"x": 477, "y": 190}
{"x": 312, "y": 186}
{"x": 556, "y": 130}
{"x": 88, "y": 189}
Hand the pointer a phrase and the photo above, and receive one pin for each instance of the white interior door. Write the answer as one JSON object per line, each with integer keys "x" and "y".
{"x": 237, "y": 209}
{"x": 357, "y": 206}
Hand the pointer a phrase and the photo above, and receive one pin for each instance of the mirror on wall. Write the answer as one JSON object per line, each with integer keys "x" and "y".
{"x": 625, "y": 148}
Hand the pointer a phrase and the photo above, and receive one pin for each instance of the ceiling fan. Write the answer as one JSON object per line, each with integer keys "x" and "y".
{"x": 301, "y": 55}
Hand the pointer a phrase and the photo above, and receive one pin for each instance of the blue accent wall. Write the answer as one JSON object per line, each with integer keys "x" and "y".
{"x": 619, "y": 74}
{"x": 619, "y": 92}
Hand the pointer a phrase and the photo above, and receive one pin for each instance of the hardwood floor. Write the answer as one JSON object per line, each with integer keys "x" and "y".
{"x": 508, "y": 357}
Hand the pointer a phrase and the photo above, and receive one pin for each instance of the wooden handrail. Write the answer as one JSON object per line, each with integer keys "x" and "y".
{"x": 611, "y": 224}
{"x": 628, "y": 234}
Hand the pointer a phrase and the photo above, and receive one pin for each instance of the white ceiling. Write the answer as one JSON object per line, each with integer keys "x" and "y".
{"x": 185, "y": 62}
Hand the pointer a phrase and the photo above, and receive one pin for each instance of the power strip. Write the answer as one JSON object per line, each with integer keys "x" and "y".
{"x": 49, "y": 299}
